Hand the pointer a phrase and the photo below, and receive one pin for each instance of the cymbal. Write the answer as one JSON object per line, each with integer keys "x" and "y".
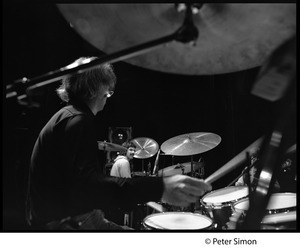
{"x": 179, "y": 168}
{"x": 190, "y": 144}
{"x": 145, "y": 147}
{"x": 106, "y": 146}
{"x": 232, "y": 37}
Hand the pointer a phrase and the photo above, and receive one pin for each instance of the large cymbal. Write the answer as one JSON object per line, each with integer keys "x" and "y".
{"x": 106, "y": 146}
{"x": 179, "y": 168}
{"x": 145, "y": 147}
{"x": 190, "y": 144}
{"x": 232, "y": 37}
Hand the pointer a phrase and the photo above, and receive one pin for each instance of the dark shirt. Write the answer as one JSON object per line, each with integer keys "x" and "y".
{"x": 64, "y": 179}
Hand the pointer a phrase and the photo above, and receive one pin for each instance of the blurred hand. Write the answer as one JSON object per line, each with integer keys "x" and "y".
{"x": 182, "y": 190}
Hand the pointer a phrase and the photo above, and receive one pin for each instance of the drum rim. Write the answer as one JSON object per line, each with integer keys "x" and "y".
{"x": 270, "y": 211}
{"x": 267, "y": 218}
{"x": 188, "y": 213}
{"x": 222, "y": 204}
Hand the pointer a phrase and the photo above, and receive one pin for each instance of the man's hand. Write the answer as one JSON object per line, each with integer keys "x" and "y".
{"x": 182, "y": 190}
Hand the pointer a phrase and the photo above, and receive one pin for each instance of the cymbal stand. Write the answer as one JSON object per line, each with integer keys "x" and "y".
{"x": 155, "y": 167}
{"x": 192, "y": 167}
{"x": 143, "y": 169}
{"x": 187, "y": 33}
{"x": 105, "y": 158}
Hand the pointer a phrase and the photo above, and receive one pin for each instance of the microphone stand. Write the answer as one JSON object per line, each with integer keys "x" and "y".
{"x": 187, "y": 33}
{"x": 245, "y": 171}
{"x": 273, "y": 150}
{"x": 155, "y": 168}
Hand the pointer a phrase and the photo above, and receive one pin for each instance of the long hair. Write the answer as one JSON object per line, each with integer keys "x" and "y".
{"x": 87, "y": 85}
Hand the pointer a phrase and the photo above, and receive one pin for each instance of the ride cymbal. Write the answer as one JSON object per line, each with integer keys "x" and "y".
{"x": 190, "y": 144}
{"x": 232, "y": 37}
{"x": 145, "y": 147}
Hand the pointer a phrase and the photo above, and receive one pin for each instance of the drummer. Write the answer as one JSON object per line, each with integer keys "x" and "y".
{"x": 122, "y": 164}
{"x": 66, "y": 190}
{"x": 122, "y": 168}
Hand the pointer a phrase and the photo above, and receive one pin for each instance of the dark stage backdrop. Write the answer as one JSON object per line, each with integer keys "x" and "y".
{"x": 37, "y": 39}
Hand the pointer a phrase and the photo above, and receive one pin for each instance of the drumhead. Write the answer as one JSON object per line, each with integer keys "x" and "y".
{"x": 241, "y": 205}
{"x": 282, "y": 201}
{"x": 177, "y": 221}
{"x": 224, "y": 195}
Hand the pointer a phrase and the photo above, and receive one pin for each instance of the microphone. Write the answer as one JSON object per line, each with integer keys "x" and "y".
{"x": 238, "y": 160}
{"x": 277, "y": 74}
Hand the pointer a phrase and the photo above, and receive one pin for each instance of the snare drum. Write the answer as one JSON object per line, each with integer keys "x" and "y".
{"x": 218, "y": 204}
{"x": 177, "y": 221}
{"x": 280, "y": 212}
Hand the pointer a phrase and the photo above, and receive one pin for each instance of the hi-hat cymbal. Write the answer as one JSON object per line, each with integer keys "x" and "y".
{"x": 232, "y": 37}
{"x": 179, "y": 168}
{"x": 190, "y": 144}
{"x": 106, "y": 146}
{"x": 145, "y": 147}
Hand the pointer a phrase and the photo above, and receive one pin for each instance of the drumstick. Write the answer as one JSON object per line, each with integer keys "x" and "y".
{"x": 156, "y": 206}
{"x": 235, "y": 162}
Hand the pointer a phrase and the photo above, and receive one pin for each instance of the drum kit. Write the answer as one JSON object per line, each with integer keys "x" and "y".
{"x": 221, "y": 209}
{"x": 231, "y": 37}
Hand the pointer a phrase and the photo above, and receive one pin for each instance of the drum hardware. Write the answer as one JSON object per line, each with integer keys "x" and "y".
{"x": 149, "y": 169}
{"x": 233, "y": 37}
{"x": 145, "y": 148}
{"x": 139, "y": 174}
{"x": 108, "y": 147}
{"x": 134, "y": 218}
{"x": 155, "y": 167}
{"x": 235, "y": 162}
{"x": 281, "y": 221}
{"x": 248, "y": 179}
{"x": 286, "y": 166}
{"x": 180, "y": 168}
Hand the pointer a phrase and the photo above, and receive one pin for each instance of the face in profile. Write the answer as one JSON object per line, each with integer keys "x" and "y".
{"x": 104, "y": 94}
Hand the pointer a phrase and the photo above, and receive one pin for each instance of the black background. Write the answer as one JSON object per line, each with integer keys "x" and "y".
{"x": 37, "y": 39}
